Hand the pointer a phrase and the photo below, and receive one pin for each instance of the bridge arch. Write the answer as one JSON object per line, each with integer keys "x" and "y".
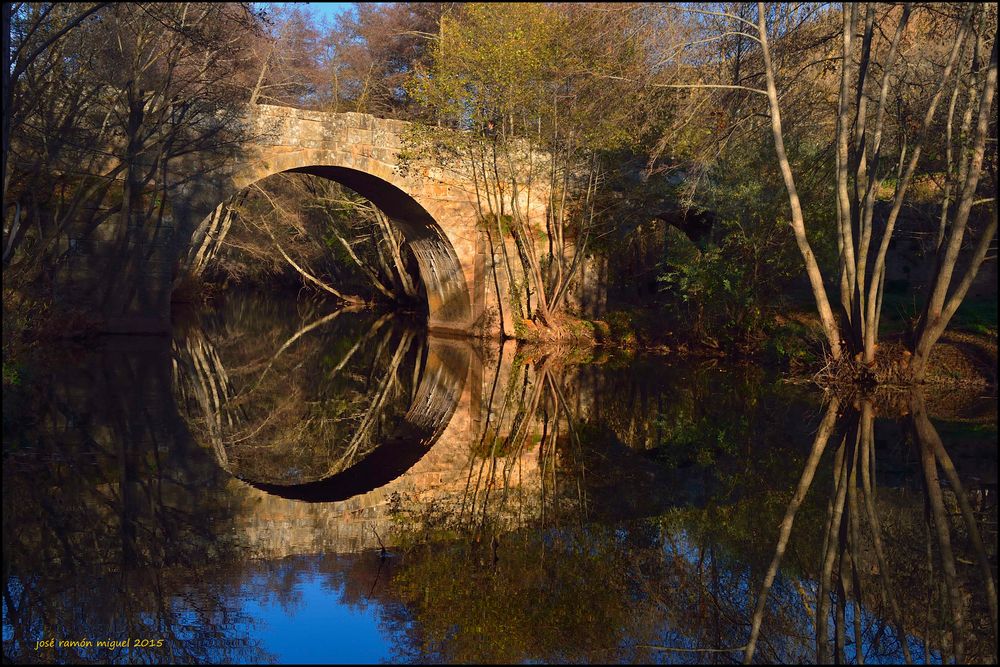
{"x": 434, "y": 203}
{"x": 439, "y": 267}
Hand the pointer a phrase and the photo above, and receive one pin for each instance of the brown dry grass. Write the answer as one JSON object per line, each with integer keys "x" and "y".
{"x": 960, "y": 383}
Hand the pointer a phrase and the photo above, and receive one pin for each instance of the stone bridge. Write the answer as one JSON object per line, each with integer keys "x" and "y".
{"x": 434, "y": 207}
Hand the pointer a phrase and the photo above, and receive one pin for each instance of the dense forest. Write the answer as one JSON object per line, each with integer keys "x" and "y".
{"x": 812, "y": 181}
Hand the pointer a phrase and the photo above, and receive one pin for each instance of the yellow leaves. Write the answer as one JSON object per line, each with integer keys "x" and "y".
{"x": 513, "y": 60}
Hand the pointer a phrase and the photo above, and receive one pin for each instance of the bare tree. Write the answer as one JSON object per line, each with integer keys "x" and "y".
{"x": 40, "y": 26}
{"x": 946, "y": 295}
{"x": 111, "y": 113}
{"x": 873, "y": 63}
{"x": 332, "y": 238}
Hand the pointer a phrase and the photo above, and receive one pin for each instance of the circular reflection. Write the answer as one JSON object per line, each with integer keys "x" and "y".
{"x": 315, "y": 407}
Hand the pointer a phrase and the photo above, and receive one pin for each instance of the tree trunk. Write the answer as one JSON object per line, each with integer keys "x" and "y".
{"x": 940, "y": 307}
{"x": 798, "y": 224}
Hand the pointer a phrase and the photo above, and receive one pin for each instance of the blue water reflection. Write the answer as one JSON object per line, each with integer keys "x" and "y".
{"x": 313, "y": 623}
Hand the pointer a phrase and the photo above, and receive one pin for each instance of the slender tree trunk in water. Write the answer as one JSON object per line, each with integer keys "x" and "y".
{"x": 798, "y": 223}
{"x": 929, "y": 438}
{"x": 866, "y": 189}
{"x": 940, "y": 519}
{"x": 905, "y": 175}
{"x": 868, "y": 493}
{"x": 832, "y": 540}
{"x": 785, "y": 530}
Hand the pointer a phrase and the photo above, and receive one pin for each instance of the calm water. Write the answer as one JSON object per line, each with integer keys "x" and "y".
{"x": 280, "y": 483}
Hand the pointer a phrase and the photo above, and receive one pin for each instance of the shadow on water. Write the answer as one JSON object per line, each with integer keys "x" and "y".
{"x": 478, "y": 505}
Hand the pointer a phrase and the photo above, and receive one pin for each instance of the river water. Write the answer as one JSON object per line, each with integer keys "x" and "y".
{"x": 283, "y": 483}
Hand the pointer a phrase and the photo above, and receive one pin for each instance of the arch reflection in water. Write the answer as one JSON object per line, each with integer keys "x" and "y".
{"x": 315, "y": 407}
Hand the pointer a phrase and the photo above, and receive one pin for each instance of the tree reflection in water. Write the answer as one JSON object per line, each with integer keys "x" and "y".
{"x": 636, "y": 511}
{"x": 508, "y": 571}
{"x": 871, "y": 563}
{"x": 113, "y": 520}
{"x": 531, "y": 575}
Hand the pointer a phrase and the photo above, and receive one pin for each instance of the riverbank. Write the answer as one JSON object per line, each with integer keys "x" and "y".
{"x": 791, "y": 343}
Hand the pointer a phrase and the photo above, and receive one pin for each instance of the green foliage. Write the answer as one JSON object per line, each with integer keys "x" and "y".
{"x": 515, "y": 67}
{"x": 717, "y": 291}
{"x": 792, "y": 343}
{"x": 729, "y": 289}
{"x": 621, "y": 328}
{"x": 334, "y": 246}
{"x": 544, "y": 588}
{"x": 518, "y": 81}
{"x": 488, "y": 61}
{"x": 977, "y": 315}
{"x": 10, "y": 374}
{"x": 687, "y": 438}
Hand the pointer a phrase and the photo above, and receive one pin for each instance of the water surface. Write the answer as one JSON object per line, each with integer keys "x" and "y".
{"x": 282, "y": 483}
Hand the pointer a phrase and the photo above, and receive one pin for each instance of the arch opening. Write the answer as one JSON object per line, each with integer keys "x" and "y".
{"x": 445, "y": 290}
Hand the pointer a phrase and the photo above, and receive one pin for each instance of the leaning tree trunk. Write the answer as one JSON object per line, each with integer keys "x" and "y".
{"x": 941, "y": 306}
{"x": 798, "y": 223}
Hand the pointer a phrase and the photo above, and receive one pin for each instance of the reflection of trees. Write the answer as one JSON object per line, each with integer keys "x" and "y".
{"x": 502, "y": 570}
{"x": 526, "y": 463}
{"x": 526, "y": 413}
{"x": 517, "y": 568}
{"x": 111, "y": 520}
{"x": 876, "y": 591}
{"x": 933, "y": 455}
{"x": 535, "y": 558}
{"x": 117, "y": 524}
{"x": 286, "y": 403}
{"x": 553, "y": 596}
